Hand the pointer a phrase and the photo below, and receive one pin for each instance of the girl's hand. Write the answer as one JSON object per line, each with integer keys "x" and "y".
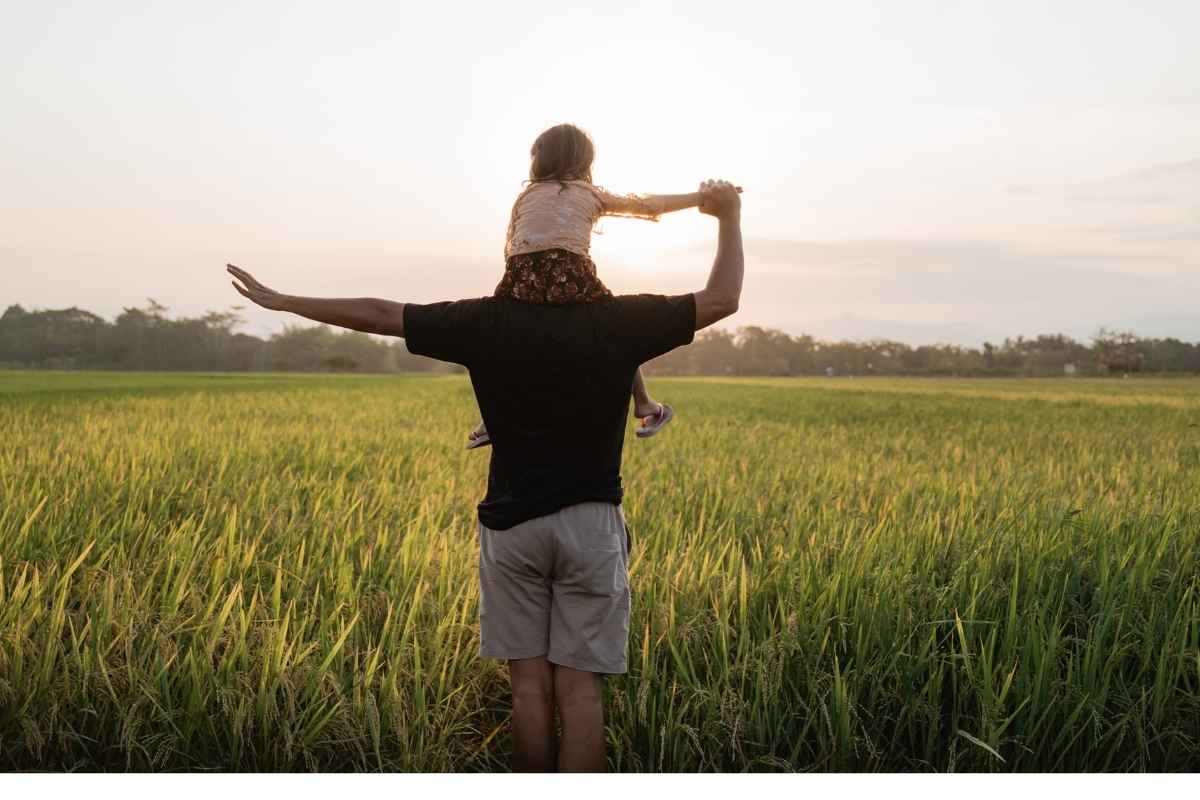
{"x": 255, "y": 292}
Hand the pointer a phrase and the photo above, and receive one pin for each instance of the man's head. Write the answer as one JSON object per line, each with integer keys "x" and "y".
{"x": 562, "y": 153}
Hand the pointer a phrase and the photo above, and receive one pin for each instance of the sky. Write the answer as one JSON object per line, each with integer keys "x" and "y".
{"x": 922, "y": 171}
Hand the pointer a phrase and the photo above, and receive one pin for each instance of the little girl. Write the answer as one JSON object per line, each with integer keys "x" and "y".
{"x": 549, "y": 232}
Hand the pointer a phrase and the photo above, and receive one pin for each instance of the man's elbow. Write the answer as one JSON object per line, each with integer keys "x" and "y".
{"x": 713, "y": 307}
{"x": 725, "y": 306}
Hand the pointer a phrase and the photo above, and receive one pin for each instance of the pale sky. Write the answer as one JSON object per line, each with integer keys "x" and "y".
{"x": 921, "y": 170}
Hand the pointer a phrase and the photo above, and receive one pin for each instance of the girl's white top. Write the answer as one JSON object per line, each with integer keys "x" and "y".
{"x": 551, "y": 215}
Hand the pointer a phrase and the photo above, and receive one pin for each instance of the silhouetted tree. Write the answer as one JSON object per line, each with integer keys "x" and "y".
{"x": 1118, "y": 351}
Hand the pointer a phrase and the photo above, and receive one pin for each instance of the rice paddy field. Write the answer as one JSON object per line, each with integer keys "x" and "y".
{"x": 270, "y": 572}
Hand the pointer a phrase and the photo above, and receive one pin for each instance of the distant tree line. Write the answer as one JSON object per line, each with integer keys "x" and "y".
{"x": 147, "y": 339}
{"x": 762, "y": 351}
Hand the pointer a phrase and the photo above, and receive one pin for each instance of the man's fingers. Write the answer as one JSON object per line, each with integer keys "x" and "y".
{"x": 710, "y": 186}
{"x": 245, "y": 277}
{"x": 251, "y": 295}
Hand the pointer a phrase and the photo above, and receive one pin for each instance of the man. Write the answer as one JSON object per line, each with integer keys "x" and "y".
{"x": 552, "y": 384}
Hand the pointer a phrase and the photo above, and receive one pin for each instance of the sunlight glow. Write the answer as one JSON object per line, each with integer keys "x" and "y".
{"x": 379, "y": 148}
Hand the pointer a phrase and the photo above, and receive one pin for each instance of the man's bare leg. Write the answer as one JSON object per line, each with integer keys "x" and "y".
{"x": 579, "y": 697}
{"x": 534, "y": 746}
{"x": 643, "y": 404}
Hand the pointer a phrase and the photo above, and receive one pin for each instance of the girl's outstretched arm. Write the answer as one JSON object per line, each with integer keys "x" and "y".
{"x": 675, "y": 202}
{"x": 647, "y": 206}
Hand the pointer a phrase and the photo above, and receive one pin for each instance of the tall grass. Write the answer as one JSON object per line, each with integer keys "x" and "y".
{"x": 270, "y": 573}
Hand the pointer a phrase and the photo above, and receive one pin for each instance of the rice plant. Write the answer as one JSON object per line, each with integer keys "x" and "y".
{"x": 268, "y": 572}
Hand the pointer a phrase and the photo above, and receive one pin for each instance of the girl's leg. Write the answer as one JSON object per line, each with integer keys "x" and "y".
{"x": 643, "y": 404}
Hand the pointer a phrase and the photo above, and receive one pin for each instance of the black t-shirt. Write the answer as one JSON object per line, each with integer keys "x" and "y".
{"x": 553, "y": 385}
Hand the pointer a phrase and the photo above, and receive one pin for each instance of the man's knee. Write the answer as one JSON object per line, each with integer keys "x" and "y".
{"x": 532, "y": 680}
{"x": 532, "y": 692}
{"x": 575, "y": 686}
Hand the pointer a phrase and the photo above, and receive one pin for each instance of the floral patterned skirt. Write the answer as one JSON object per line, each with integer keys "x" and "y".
{"x": 551, "y": 276}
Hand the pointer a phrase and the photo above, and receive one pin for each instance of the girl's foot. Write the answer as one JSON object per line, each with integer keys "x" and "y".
{"x": 478, "y": 437}
{"x": 645, "y": 408}
{"x": 655, "y": 422}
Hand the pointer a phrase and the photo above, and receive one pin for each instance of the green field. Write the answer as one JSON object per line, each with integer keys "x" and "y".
{"x": 279, "y": 572}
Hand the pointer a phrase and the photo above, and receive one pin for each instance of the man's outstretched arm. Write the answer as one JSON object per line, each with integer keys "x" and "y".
{"x": 721, "y": 295}
{"x": 366, "y": 314}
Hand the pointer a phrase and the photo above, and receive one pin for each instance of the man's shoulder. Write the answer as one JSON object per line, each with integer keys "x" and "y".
{"x": 443, "y": 308}
{"x": 450, "y": 330}
{"x": 647, "y": 325}
{"x": 649, "y": 303}
{"x": 466, "y": 302}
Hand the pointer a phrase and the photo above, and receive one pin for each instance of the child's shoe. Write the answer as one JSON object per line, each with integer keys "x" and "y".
{"x": 655, "y": 422}
{"x": 478, "y": 437}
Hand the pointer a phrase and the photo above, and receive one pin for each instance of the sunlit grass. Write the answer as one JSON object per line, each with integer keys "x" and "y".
{"x": 279, "y": 572}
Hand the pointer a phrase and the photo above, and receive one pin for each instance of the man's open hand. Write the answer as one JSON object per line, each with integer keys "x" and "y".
{"x": 254, "y": 291}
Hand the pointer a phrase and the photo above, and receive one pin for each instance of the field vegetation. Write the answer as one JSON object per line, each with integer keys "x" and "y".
{"x": 278, "y": 572}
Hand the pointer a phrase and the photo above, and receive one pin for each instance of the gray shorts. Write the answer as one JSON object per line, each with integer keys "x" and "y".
{"x": 557, "y": 586}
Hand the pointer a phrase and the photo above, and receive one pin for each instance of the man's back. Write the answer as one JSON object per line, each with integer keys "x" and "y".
{"x": 553, "y": 386}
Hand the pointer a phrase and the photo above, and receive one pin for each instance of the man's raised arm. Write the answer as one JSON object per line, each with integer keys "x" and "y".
{"x": 721, "y": 295}
{"x": 366, "y": 314}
